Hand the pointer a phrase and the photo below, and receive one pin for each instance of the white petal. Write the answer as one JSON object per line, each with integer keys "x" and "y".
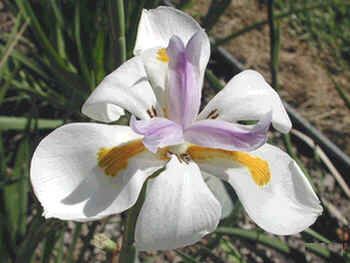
{"x": 286, "y": 205}
{"x": 157, "y": 72}
{"x": 218, "y": 188}
{"x": 179, "y": 209}
{"x": 157, "y": 26}
{"x": 125, "y": 88}
{"x": 247, "y": 96}
{"x": 69, "y": 184}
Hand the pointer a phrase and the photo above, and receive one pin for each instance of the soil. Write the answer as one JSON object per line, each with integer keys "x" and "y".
{"x": 304, "y": 71}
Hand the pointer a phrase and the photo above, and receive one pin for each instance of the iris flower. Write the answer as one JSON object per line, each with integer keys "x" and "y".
{"x": 87, "y": 171}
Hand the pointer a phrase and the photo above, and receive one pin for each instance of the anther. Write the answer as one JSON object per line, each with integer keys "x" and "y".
{"x": 213, "y": 114}
{"x": 152, "y": 112}
{"x": 185, "y": 157}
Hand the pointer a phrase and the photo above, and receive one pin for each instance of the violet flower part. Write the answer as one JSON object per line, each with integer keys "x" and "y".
{"x": 228, "y": 136}
{"x": 158, "y": 132}
{"x": 184, "y": 94}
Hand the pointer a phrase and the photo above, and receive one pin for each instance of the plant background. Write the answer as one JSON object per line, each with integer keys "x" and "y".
{"x": 54, "y": 53}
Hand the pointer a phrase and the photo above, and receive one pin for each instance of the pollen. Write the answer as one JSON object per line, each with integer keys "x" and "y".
{"x": 113, "y": 160}
{"x": 257, "y": 167}
{"x": 162, "y": 55}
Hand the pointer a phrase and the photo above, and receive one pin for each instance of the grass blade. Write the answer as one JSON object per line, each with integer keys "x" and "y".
{"x": 71, "y": 249}
{"x": 27, "y": 10}
{"x": 117, "y": 24}
{"x": 6, "y": 240}
{"x": 20, "y": 123}
{"x": 11, "y": 44}
{"x": 186, "y": 258}
{"x": 317, "y": 236}
{"x": 256, "y": 236}
{"x": 49, "y": 245}
{"x": 82, "y": 60}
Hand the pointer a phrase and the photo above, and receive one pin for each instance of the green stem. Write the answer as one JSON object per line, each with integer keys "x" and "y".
{"x": 128, "y": 251}
{"x": 117, "y": 24}
{"x": 274, "y": 44}
{"x": 86, "y": 242}
{"x": 71, "y": 249}
{"x": 255, "y": 236}
{"x": 216, "y": 85}
{"x": 121, "y": 30}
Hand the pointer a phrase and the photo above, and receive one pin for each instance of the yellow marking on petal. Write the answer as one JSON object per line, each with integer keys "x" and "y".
{"x": 163, "y": 154}
{"x": 113, "y": 160}
{"x": 258, "y": 168}
{"x": 162, "y": 55}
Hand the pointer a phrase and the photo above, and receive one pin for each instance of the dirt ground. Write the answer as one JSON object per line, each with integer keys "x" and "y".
{"x": 304, "y": 72}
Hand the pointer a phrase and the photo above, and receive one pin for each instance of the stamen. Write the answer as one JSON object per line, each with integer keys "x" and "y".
{"x": 213, "y": 114}
{"x": 162, "y": 55}
{"x": 152, "y": 112}
{"x": 258, "y": 168}
{"x": 185, "y": 157}
{"x": 113, "y": 160}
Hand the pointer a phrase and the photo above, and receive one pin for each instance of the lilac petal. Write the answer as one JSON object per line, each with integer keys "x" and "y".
{"x": 183, "y": 82}
{"x": 229, "y": 136}
{"x": 157, "y": 132}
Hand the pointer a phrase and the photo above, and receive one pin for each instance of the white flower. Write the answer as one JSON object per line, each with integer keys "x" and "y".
{"x": 86, "y": 171}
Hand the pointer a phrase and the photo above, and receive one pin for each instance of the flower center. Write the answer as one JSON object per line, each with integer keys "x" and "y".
{"x": 113, "y": 160}
{"x": 258, "y": 168}
{"x": 162, "y": 55}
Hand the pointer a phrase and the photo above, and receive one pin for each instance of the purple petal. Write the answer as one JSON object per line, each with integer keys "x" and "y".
{"x": 183, "y": 82}
{"x": 229, "y": 136}
{"x": 157, "y": 132}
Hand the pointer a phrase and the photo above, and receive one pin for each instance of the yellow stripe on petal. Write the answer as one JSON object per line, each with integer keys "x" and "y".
{"x": 113, "y": 160}
{"x": 162, "y": 55}
{"x": 258, "y": 168}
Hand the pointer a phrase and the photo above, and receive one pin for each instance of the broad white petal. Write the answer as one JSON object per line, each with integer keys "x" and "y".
{"x": 216, "y": 185}
{"x": 286, "y": 205}
{"x": 157, "y": 72}
{"x": 125, "y": 88}
{"x": 157, "y": 26}
{"x": 68, "y": 182}
{"x": 247, "y": 96}
{"x": 179, "y": 209}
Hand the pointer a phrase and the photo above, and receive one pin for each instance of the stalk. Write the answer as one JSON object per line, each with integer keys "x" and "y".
{"x": 121, "y": 30}
{"x": 117, "y": 23}
{"x": 274, "y": 44}
{"x": 128, "y": 251}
